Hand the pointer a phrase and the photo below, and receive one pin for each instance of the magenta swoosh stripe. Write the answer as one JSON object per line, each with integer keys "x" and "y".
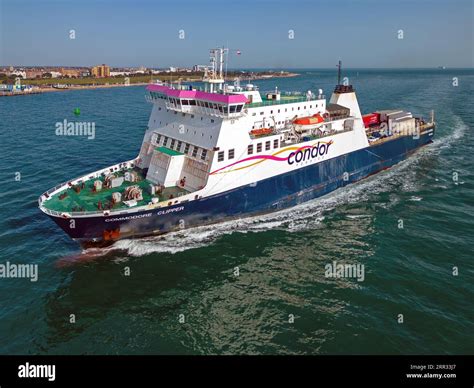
{"x": 270, "y": 157}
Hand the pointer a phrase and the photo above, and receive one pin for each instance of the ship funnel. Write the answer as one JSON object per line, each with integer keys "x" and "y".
{"x": 345, "y": 96}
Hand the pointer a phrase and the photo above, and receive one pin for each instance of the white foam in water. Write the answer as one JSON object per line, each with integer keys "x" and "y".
{"x": 301, "y": 217}
{"x": 358, "y": 216}
{"x": 457, "y": 132}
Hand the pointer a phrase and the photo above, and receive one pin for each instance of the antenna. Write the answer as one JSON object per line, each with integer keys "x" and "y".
{"x": 226, "y": 61}
{"x": 221, "y": 62}
{"x": 339, "y": 72}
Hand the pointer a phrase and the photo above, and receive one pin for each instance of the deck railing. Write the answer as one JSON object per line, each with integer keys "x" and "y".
{"x": 284, "y": 101}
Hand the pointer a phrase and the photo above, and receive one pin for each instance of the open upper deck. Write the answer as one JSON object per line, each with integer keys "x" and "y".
{"x": 82, "y": 197}
{"x": 284, "y": 99}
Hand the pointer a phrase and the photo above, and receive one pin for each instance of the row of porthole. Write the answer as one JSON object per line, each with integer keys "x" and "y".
{"x": 250, "y": 149}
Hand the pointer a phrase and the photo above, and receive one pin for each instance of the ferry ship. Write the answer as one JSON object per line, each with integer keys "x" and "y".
{"x": 223, "y": 151}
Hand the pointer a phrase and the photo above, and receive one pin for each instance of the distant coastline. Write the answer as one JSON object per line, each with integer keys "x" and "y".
{"x": 273, "y": 75}
{"x": 38, "y": 86}
{"x": 49, "y": 89}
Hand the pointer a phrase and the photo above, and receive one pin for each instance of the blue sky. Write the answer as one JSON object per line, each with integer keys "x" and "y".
{"x": 362, "y": 33}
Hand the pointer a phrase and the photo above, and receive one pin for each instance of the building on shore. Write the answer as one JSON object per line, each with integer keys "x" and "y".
{"x": 71, "y": 72}
{"x": 119, "y": 73}
{"x": 17, "y": 73}
{"x": 100, "y": 71}
{"x": 198, "y": 68}
{"x": 34, "y": 73}
{"x": 10, "y": 89}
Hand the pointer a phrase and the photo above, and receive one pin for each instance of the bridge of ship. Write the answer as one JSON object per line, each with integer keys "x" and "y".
{"x": 199, "y": 102}
{"x": 233, "y": 105}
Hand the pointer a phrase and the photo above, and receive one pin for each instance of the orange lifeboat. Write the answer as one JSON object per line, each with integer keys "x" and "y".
{"x": 309, "y": 120}
{"x": 303, "y": 124}
{"x": 261, "y": 132}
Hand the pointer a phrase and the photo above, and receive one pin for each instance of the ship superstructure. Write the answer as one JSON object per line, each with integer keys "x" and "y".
{"x": 219, "y": 151}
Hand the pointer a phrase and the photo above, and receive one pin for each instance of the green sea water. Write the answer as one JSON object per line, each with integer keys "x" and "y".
{"x": 255, "y": 285}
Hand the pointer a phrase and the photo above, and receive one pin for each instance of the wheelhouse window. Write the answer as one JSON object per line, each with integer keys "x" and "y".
{"x": 173, "y": 141}
{"x": 231, "y": 153}
{"x": 186, "y": 148}
{"x": 259, "y": 147}
{"x": 203, "y": 154}
{"x": 250, "y": 149}
{"x": 220, "y": 156}
{"x": 275, "y": 143}
{"x": 195, "y": 151}
{"x": 165, "y": 142}
{"x": 180, "y": 143}
{"x": 267, "y": 145}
